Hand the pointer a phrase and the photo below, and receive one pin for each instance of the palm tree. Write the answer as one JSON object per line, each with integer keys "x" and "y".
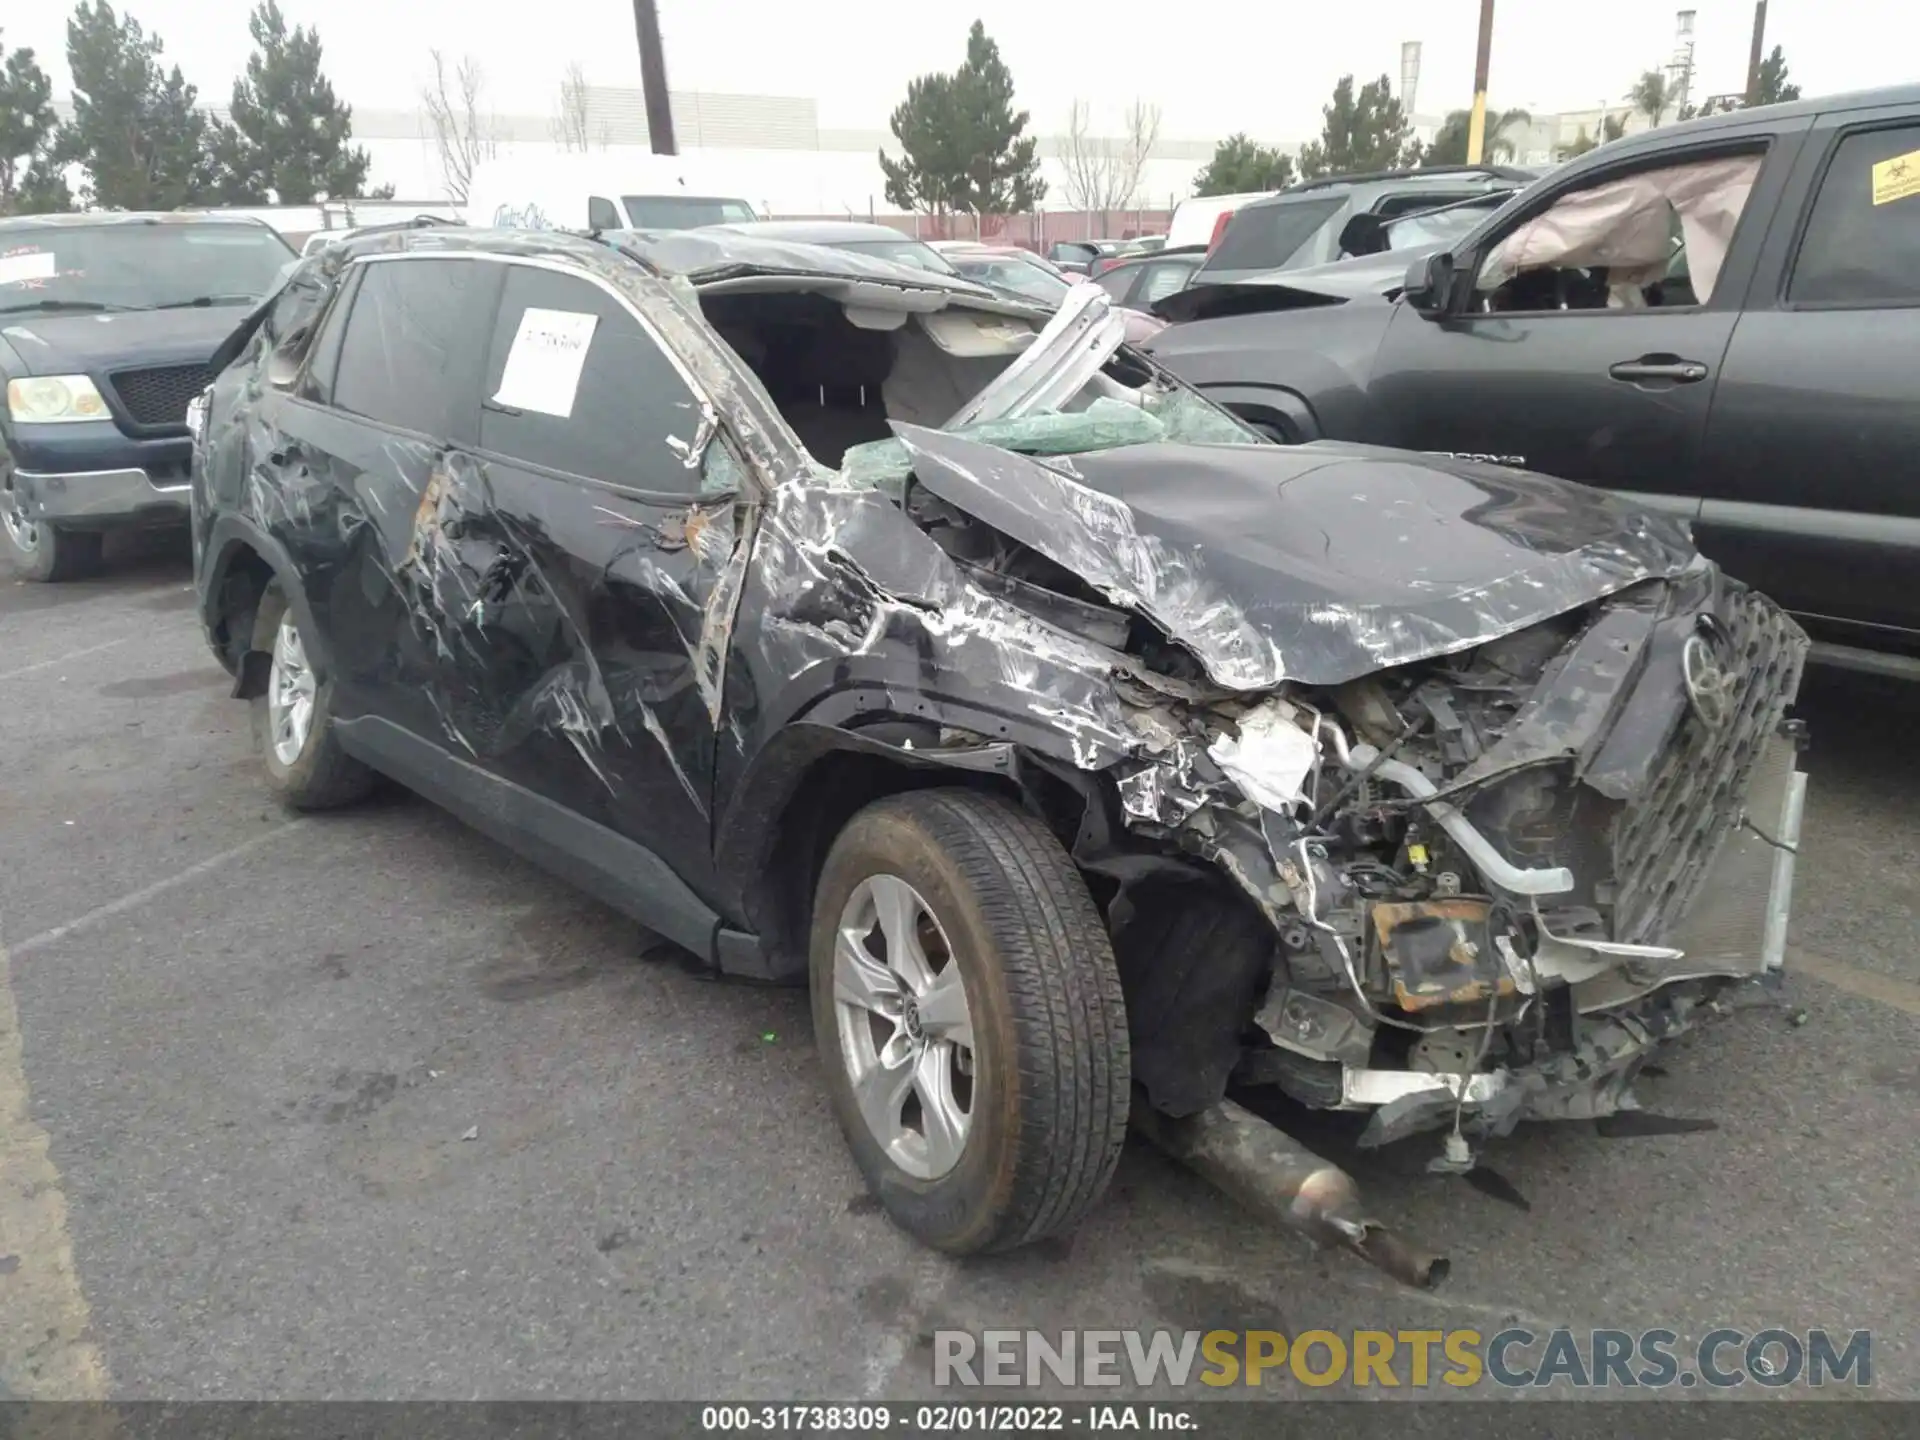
{"x": 1612, "y": 127}
{"x": 1652, "y": 96}
{"x": 1449, "y": 145}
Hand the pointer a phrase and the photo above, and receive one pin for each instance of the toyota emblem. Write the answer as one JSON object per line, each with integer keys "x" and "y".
{"x": 1709, "y": 683}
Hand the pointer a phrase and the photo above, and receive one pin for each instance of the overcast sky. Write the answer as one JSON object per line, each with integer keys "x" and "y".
{"x": 1264, "y": 66}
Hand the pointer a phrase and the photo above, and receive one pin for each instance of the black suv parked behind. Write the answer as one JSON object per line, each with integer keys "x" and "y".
{"x": 106, "y": 325}
{"x": 1720, "y": 318}
{"x": 848, "y": 622}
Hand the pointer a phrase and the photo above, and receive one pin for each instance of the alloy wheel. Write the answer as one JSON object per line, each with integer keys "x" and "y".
{"x": 291, "y": 691}
{"x": 906, "y": 1033}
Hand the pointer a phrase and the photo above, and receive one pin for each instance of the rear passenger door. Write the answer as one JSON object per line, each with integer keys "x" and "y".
{"x": 382, "y": 405}
{"x": 574, "y": 666}
{"x": 1811, "y": 479}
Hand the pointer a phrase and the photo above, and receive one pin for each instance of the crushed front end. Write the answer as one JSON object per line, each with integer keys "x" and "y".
{"x": 1499, "y": 879}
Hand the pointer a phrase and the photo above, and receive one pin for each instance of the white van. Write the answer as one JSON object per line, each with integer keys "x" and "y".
{"x": 597, "y": 192}
{"x": 1199, "y": 220}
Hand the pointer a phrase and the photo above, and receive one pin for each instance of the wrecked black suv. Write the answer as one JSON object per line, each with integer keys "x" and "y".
{"x": 1090, "y": 754}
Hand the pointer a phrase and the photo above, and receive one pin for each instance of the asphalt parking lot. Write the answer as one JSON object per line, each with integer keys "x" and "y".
{"x": 361, "y": 1106}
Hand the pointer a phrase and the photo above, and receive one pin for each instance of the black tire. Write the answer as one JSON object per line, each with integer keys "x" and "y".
{"x": 1050, "y": 1059}
{"x": 322, "y": 776}
{"x": 53, "y": 554}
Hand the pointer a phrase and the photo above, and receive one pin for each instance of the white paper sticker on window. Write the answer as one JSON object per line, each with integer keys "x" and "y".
{"x": 35, "y": 265}
{"x": 543, "y": 367}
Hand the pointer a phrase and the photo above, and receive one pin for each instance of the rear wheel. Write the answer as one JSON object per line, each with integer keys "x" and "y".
{"x": 39, "y": 551}
{"x": 293, "y": 719}
{"x": 967, "y": 1008}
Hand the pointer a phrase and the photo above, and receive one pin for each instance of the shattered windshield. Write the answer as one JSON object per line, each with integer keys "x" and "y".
{"x": 1169, "y": 414}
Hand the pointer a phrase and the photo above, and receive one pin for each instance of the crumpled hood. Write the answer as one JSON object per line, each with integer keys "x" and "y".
{"x": 1313, "y": 563}
{"x": 114, "y": 340}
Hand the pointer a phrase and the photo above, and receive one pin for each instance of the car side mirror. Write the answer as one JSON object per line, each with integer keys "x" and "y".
{"x": 1429, "y": 285}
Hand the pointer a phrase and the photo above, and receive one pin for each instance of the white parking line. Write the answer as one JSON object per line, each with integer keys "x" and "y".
{"x": 1857, "y": 980}
{"x": 147, "y": 892}
{"x": 62, "y": 659}
{"x": 47, "y": 1350}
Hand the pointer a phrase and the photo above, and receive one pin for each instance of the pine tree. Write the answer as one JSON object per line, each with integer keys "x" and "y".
{"x": 1002, "y": 173}
{"x": 1775, "y": 88}
{"x": 136, "y": 130}
{"x": 30, "y": 180}
{"x": 929, "y": 175}
{"x": 1241, "y": 166}
{"x": 287, "y": 134}
{"x": 1360, "y": 134}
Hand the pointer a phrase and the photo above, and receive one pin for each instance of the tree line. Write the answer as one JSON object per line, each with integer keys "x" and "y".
{"x": 1368, "y": 130}
{"x": 140, "y": 137}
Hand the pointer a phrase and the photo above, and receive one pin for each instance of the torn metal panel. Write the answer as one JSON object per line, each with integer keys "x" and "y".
{"x": 1069, "y": 352}
{"x": 843, "y": 579}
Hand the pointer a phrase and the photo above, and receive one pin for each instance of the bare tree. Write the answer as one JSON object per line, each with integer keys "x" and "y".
{"x": 573, "y": 126}
{"x": 1087, "y": 160}
{"x": 1103, "y": 174}
{"x": 462, "y": 134}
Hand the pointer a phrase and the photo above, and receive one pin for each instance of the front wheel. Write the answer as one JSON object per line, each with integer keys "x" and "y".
{"x": 39, "y": 551}
{"x": 968, "y": 1010}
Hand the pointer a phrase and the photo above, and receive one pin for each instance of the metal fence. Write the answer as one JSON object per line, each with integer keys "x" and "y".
{"x": 1032, "y": 231}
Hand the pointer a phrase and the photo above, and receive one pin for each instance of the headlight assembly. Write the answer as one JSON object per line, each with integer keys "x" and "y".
{"x": 53, "y": 399}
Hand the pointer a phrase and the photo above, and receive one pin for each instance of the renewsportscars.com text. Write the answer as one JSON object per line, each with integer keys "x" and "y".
{"x": 1512, "y": 1358}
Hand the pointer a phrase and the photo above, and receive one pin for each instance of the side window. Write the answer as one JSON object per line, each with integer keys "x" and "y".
{"x": 602, "y": 214}
{"x": 1164, "y": 279}
{"x": 1862, "y": 244}
{"x": 1654, "y": 238}
{"x": 575, "y": 384}
{"x": 409, "y": 318}
{"x": 1118, "y": 283}
{"x": 323, "y": 355}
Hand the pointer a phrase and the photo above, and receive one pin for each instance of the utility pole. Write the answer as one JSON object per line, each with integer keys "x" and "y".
{"x": 653, "y": 78}
{"x": 1477, "y": 128}
{"x": 1753, "y": 55}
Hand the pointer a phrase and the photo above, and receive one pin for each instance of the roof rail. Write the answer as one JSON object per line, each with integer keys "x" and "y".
{"x": 417, "y": 222}
{"x": 1491, "y": 172}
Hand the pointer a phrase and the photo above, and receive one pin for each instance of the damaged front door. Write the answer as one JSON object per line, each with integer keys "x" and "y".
{"x": 609, "y": 518}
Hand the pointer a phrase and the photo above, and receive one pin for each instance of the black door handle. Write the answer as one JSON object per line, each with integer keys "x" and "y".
{"x": 1659, "y": 367}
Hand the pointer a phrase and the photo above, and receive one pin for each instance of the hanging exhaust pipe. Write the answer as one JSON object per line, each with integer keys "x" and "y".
{"x": 1264, "y": 1169}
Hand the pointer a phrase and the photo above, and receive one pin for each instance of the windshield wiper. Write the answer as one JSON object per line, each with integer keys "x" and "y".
{"x": 57, "y": 305}
{"x": 202, "y": 301}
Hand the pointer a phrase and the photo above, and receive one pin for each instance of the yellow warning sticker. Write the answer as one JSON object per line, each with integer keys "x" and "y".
{"x": 1897, "y": 178}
